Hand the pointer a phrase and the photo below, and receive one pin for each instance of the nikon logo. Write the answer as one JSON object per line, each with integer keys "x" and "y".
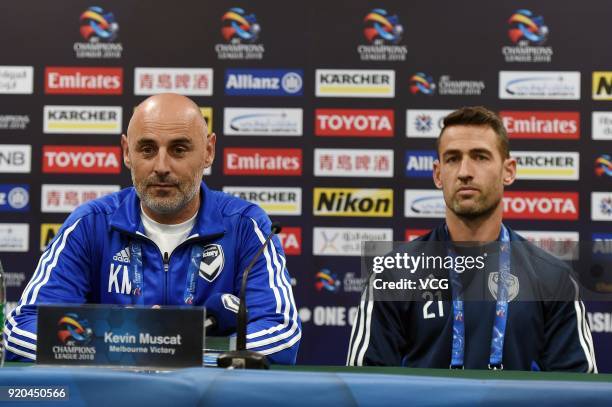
{"x": 602, "y": 85}
{"x": 353, "y": 202}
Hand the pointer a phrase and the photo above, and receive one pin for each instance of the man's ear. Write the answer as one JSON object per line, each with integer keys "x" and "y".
{"x": 436, "y": 174}
{"x": 126, "y": 151}
{"x": 211, "y": 141}
{"x": 509, "y": 171}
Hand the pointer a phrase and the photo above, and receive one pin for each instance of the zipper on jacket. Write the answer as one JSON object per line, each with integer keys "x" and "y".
{"x": 166, "y": 267}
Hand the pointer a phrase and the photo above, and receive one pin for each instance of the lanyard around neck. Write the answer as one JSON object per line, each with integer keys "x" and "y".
{"x": 501, "y": 309}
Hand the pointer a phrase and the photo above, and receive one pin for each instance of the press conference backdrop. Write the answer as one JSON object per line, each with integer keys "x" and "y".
{"x": 326, "y": 114}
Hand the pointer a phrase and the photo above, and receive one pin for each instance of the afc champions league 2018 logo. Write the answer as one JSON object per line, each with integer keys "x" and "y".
{"x": 526, "y": 26}
{"x": 380, "y": 27}
{"x": 422, "y": 83}
{"x": 238, "y": 26}
{"x": 98, "y": 25}
{"x": 73, "y": 330}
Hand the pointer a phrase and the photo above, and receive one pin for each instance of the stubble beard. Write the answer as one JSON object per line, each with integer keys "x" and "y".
{"x": 185, "y": 193}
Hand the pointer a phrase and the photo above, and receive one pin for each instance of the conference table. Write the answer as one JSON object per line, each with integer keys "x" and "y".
{"x": 308, "y": 386}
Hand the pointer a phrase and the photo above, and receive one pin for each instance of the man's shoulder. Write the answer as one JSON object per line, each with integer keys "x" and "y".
{"x": 230, "y": 205}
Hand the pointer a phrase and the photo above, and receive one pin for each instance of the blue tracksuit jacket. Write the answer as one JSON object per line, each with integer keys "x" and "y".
{"x": 88, "y": 261}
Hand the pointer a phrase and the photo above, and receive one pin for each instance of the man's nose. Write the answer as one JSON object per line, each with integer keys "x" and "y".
{"x": 162, "y": 162}
{"x": 465, "y": 170}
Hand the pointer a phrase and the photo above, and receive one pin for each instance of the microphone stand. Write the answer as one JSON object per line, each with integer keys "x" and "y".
{"x": 242, "y": 358}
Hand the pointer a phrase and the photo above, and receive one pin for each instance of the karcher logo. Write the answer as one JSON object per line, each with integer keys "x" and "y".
{"x": 602, "y": 85}
{"x": 122, "y": 256}
{"x": 364, "y": 202}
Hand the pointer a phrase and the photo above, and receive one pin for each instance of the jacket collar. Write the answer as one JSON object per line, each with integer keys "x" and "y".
{"x": 209, "y": 221}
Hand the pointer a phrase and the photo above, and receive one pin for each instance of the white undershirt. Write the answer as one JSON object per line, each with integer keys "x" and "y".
{"x": 166, "y": 237}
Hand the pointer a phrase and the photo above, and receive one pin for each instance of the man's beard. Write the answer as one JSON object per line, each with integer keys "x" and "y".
{"x": 185, "y": 192}
{"x": 479, "y": 210}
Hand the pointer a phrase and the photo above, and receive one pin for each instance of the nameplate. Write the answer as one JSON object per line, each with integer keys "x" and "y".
{"x": 111, "y": 335}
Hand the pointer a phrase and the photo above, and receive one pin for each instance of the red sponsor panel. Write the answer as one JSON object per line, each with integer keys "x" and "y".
{"x": 412, "y": 234}
{"x": 80, "y": 80}
{"x": 81, "y": 159}
{"x": 262, "y": 161}
{"x": 291, "y": 239}
{"x": 540, "y": 205}
{"x": 542, "y": 125}
{"x": 354, "y": 122}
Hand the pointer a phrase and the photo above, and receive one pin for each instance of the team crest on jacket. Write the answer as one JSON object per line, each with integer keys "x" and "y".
{"x": 513, "y": 285}
{"x": 212, "y": 262}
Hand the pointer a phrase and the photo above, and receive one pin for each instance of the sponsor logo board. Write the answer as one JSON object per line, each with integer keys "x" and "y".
{"x": 424, "y": 123}
{"x": 264, "y": 82}
{"x": 601, "y": 123}
{"x": 47, "y": 233}
{"x": 291, "y": 240}
{"x": 16, "y": 80}
{"x": 81, "y": 80}
{"x": 336, "y": 162}
{"x": 14, "y": 198}
{"x": 14, "y": 237}
{"x": 186, "y": 81}
{"x": 366, "y": 83}
{"x": 360, "y": 202}
{"x": 63, "y": 198}
{"x": 419, "y": 163}
{"x": 550, "y": 205}
{"x": 273, "y": 200}
{"x": 334, "y": 241}
{"x": 262, "y": 161}
{"x": 354, "y": 122}
{"x": 412, "y": 234}
{"x": 15, "y": 158}
{"x": 547, "y": 165}
{"x": 424, "y": 203}
{"x": 541, "y": 125}
{"x": 601, "y": 206}
{"x": 539, "y": 85}
{"x": 252, "y": 121}
{"x": 82, "y": 119}
{"x": 602, "y": 85}
{"x": 81, "y": 159}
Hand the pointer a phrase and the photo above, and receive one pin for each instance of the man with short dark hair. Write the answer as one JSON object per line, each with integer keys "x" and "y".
{"x": 511, "y": 326}
{"x": 169, "y": 240}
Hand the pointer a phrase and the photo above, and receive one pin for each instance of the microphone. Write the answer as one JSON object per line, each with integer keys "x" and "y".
{"x": 242, "y": 358}
{"x": 221, "y": 310}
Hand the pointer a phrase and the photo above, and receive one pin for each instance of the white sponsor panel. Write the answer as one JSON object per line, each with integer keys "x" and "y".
{"x": 14, "y": 237}
{"x": 15, "y": 80}
{"x": 245, "y": 121}
{"x": 425, "y": 123}
{"x": 547, "y": 165}
{"x": 273, "y": 200}
{"x": 365, "y": 83}
{"x": 601, "y": 206}
{"x": 15, "y": 158}
{"x": 186, "y": 81}
{"x": 336, "y": 162}
{"x": 561, "y": 244}
{"x": 63, "y": 198}
{"x": 82, "y": 119}
{"x": 539, "y": 85}
{"x": 601, "y": 123}
{"x": 346, "y": 241}
{"x": 424, "y": 203}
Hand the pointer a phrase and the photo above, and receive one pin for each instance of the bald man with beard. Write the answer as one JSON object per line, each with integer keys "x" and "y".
{"x": 168, "y": 240}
